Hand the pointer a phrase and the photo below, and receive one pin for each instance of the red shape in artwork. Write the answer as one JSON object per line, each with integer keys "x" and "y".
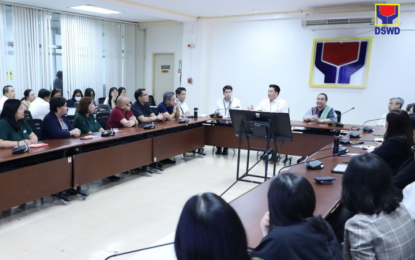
{"x": 340, "y": 53}
{"x": 387, "y": 10}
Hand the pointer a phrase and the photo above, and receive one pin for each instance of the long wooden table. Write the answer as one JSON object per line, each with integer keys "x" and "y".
{"x": 252, "y": 205}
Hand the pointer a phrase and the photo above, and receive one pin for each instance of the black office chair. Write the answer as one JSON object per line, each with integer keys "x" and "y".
{"x": 36, "y": 126}
{"x": 339, "y": 115}
{"x": 104, "y": 108}
{"x": 151, "y": 100}
{"x": 102, "y": 118}
{"x": 153, "y": 109}
{"x": 27, "y": 115}
{"x": 101, "y": 100}
{"x": 71, "y": 119}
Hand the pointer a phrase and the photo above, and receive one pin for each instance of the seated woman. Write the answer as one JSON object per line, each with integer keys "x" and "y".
{"x": 76, "y": 97}
{"x": 28, "y": 97}
{"x": 320, "y": 113}
{"x": 14, "y": 131}
{"x": 89, "y": 92}
{"x": 290, "y": 229}
{"x": 396, "y": 148}
{"x": 210, "y": 229}
{"x": 55, "y": 125}
{"x": 382, "y": 228}
{"x": 111, "y": 98}
{"x": 84, "y": 119}
{"x": 56, "y": 92}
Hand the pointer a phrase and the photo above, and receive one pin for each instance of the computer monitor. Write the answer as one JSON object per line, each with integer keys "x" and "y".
{"x": 255, "y": 120}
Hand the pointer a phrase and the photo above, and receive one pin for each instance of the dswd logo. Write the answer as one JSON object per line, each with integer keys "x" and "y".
{"x": 387, "y": 16}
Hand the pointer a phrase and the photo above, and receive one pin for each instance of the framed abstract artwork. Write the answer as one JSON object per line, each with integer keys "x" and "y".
{"x": 340, "y": 62}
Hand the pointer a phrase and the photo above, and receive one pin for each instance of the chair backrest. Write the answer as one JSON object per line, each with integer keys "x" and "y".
{"x": 151, "y": 100}
{"x": 104, "y": 108}
{"x": 36, "y": 126}
{"x": 71, "y": 119}
{"x": 339, "y": 115}
{"x": 27, "y": 115}
{"x": 101, "y": 100}
{"x": 153, "y": 109}
{"x": 102, "y": 118}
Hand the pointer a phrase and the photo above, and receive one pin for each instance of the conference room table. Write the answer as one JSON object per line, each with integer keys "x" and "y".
{"x": 70, "y": 163}
{"x": 252, "y": 205}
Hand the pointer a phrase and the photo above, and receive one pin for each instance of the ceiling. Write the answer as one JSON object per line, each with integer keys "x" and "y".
{"x": 188, "y": 10}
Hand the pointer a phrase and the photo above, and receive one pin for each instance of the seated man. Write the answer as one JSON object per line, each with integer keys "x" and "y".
{"x": 272, "y": 103}
{"x": 222, "y": 107}
{"x": 180, "y": 98}
{"x": 40, "y": 106}
{"x": 14, "y": 131}
{"x": 169, "y": 108}
{"x": 141, "y": 109}
{"x": 394, "y": 104}
{"x": 321, "y": 113}
{"x": 8, "y": 93}
{"x": 121, "y": 115}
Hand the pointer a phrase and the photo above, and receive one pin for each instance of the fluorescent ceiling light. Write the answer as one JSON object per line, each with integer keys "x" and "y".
{"x": 256, "y": 10}
{"x": 94, "y": 9}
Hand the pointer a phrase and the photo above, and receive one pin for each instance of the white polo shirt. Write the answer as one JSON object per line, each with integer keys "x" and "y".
{"x": 183, "y": 107}
{"x": 279, "y": 105}
{"x": 223, "y": 106}
{"x": 39, "y": 108}
{"x": 2, "y": 100}
{"x": 382, "y": 122}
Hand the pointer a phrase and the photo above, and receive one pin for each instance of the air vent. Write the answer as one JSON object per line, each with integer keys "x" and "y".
{"x": 342, "y": 23}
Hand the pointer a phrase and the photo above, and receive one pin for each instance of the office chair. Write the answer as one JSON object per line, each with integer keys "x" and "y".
{"x": 104, "y": 108}
{"x": 27, "y": 115}
{"x": 339, "y": 115}
{"x": 36, "y": 126}
{"x": 153, "y": 109}
{"x": 102, "y": 118}
{"x": 151, "y": 100}
{"x": 101, "y": 100}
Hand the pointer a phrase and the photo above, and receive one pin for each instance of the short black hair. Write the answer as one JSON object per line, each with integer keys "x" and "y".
{"x": 367, "y": 186}
{"x": 88, "y": 93}
{"x": 138, "y": 93}
{"x": 59, "y": 74}
{"x": 291, "y": 199}
{"x": 323, "y": 94}
{"x": 43, "y": 93}
{"x": 6, "y": 89}
{"x": 179, "y": 90}
{"x": 409, "y": 106}
{"x": 54, "y": 91}
{"x": 275, "y": 87}
{"x": 209, "y": 228}
{"x": 227, "y": 87}
{"x": 55, "y": 103}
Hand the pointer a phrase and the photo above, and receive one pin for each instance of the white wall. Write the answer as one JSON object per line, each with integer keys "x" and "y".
{"x": 252, "y": 54}
{"x": 162, "y": 37}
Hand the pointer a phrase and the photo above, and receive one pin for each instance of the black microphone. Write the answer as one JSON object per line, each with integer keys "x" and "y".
{"x": 216, "y": 114}
{"x": 334, "y": 123}
{"x": 369, "y": 129}
{"x": 107, "y": 133}
{"x": 305, "y": 162}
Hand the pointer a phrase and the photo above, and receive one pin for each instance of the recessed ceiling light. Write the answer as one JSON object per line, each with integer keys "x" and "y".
{"x": 256, "y": 10}
{"x": 94, "y": 9}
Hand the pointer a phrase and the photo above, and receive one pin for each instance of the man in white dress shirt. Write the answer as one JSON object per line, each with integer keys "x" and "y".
{"x": 40, "y": 106}
{"x": 272, "y": 103}
{"x": 8, "y": 93}
{"x": 394, "y": 104}
{"x": 180, "y": 98}
{"x": 222, "y": 107}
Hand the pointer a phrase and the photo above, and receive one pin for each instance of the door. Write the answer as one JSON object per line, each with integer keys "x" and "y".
{"x": 163, "y": 77}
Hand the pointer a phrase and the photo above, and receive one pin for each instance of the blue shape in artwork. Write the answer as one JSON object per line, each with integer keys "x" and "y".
{"x": 386, "y": 19}
{"x": 347, "y": 71}
{"x": 329, "y": 71}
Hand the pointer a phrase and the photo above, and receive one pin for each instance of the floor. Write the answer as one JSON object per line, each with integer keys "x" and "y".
{"x": 117, "y": 217}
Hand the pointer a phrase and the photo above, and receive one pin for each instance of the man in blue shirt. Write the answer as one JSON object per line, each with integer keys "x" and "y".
{"x": 169, "y": 108}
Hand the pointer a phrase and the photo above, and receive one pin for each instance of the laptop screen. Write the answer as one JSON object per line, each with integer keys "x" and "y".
{"x": 71, "y": 111}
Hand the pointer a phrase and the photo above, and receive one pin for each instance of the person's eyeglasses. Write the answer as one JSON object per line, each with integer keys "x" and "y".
{"x": 413, "y": 148}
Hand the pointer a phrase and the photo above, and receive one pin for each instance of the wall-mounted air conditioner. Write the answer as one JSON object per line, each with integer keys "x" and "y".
{"x": 341, "y": 23}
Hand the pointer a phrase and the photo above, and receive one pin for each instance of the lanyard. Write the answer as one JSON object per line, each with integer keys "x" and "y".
{"x": 226, "y": 109}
